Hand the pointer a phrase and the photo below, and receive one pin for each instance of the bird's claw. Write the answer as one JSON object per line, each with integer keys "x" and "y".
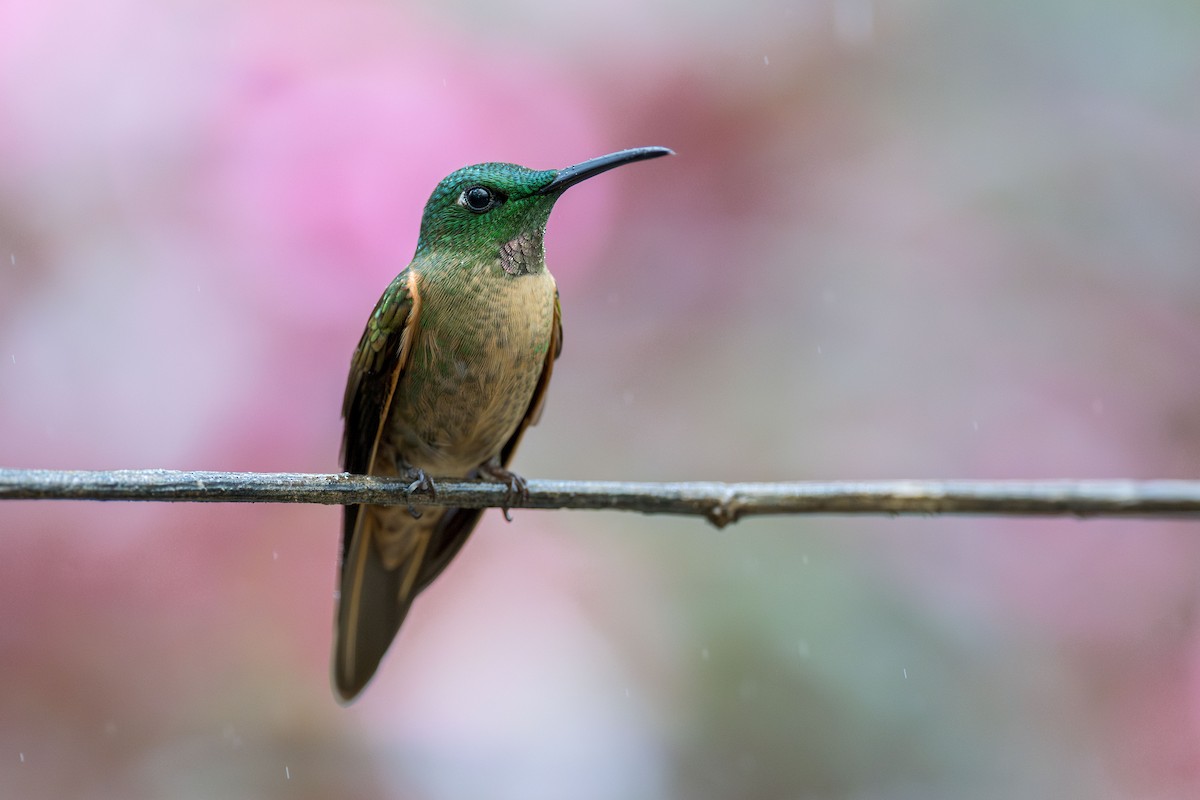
{"x": 420, "y": 483}
{"x": 518, "y": 487}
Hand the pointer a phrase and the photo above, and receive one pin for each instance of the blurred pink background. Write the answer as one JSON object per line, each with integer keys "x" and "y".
{"x": 917, "y": 239}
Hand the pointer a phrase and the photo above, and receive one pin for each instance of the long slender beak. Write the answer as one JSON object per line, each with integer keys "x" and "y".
{"x": 581, "y": 172}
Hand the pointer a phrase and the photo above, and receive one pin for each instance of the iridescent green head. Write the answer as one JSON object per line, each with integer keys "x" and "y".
{"x": 481, "y": 208}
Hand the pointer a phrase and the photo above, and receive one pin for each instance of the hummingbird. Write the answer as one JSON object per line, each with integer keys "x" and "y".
{"x": 451, "y": 369}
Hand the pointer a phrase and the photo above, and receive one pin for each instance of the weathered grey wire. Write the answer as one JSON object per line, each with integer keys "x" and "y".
{"x": 720, "y": 503}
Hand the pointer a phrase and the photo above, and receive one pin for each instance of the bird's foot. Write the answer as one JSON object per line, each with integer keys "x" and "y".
{"x": 518, "y": 487}
{"x": 420, "y": 483}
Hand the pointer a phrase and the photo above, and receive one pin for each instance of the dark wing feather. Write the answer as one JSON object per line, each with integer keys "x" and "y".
{"x": 370, "y": 609}
{"x": 375, "y": 370}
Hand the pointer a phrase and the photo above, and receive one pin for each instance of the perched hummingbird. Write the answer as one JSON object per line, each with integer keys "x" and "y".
{"x": 450, "y": 371}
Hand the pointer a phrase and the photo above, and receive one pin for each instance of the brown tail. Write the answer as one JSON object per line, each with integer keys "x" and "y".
{"x": 374, "y": 599}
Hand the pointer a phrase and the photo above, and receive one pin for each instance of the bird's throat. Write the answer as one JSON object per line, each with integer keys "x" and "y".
{"x": 523, "y": 255}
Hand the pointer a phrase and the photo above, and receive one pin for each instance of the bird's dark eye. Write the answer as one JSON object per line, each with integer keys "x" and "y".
{"x": 480, "y": 199}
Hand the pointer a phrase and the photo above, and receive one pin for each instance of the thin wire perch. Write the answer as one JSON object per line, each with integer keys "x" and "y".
{"x": 720, "y": 503}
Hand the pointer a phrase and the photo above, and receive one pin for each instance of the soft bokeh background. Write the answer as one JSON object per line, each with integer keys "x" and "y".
{"x": 900, "y": 239}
